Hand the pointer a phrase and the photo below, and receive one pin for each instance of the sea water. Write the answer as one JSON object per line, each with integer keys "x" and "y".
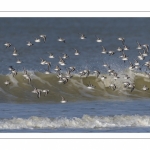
{"x": 87, "y": 110}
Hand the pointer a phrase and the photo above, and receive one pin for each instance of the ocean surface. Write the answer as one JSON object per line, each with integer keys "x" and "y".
{"x": 92, "y": 105}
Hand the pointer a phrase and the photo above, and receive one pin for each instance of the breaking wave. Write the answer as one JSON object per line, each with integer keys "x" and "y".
{"x": 86, "y": 122}
{"x": 20, "y": 90}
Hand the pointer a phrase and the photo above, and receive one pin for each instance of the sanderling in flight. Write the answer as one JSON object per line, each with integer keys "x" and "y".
{"x": 126, "y": 76}
{"x": 10, "y": 68}
{"x": 82, "y": 36}
{"x": 139, "y": 45}
{"x": 131, "y": 67}
{"x": 98, "y": 39}
{"x": 97, "y": 73}
{"x": 61, "y": 39}
{"x": 45, "y": 91}
{"x": 37, "y": 40}
{"x": 125, "y": 48}
{"x": 136, "y": 63}
{"x": 57, "y": 68}
{"x": 25, "y": 72}
{"x": 7, "y": 82}
{"x": 43, "y": 37}
{"x": 90, "y": 86}
{"x": 119, "y": 49}
{"x": 63, "y": 100}
{"x": 48, "y": 69}
{"x": 65, "y": 80}
{"x": 87, "y": 72}
{"x": 121, "y": 39}
{"x": 65, "y": 56}
{"x": 68, "y": 75}
{"x": 106, "y": 65}
{"x": 116, "y": 76}
{"x": 131, "y": 86}
{"x": 43, "y": 62}
{"x": 141, "y": 57}
{"x": 71, "y": 69}
{"x": 126, "y": 84}
{"x": 146, "y": 46}
{"x": 37, "y": 91}
{"x": 112, "y": 86}
{"x": 15, "y": 52}
{"x": 76, "y": 52}
{"x": 18, "y": 61}
{"x": 111, "y": 53}
{"x": 61, "y": 62}
{"x": 81, "y": 73}
{"x": 103, "y": 78}
{"x": 13, "y": 71}
{"x": 28, "y": 78}
{"x": 51, "y": 55}
{"x": 7, "y": 44}
{"x": 29, "y": 43}
{"x": 145, "y": 88}
{"x": 124, "y": 57}
{"x": 60, "y": 80}
{"x": 145, "y": 53}
{"x": 59, "y": 75}
{"x": 104, "y": 50}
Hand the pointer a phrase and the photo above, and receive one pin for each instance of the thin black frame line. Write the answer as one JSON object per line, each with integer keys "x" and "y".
{"x": 75, "y": 11}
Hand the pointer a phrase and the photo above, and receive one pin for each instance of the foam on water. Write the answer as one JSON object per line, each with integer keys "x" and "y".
{"x": 86, "y": 122}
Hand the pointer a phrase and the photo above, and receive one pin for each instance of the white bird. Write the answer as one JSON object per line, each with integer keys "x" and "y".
{"x": 141, "y": 57}
{"x": 97, "y": 73}
{"x": 139, "y": 45}
{"x": 37, "y": 40}
{"x": 63, "y": 100}
{"x": 90, "y": 86}
{"x": 15, "y": 52}
{"x": 61, "y": 39}
{"x": 112, "y": 86}
{"x": 43, "y": 37}
{"x": 126, "y": 76}
{"x": 98, "y": 39}
{"x": 57, "y": 68}
{"x": 119, "y": 49}
{"x": 45, "y": 91}
{"x": 43, "y": 62}
{"x": 104, "y": 50}
{"x": 111, "y": 53}
{"x": 65, "y": 56}
{"x": 121, "y": 39}
{"x": 82, "y": 37}
{"x": 7, "y": 82}
{"x": 145, "y": 88}
{"x": 103, "y": 78}
{"x": 76, "y": 52}
{"x": 37, "y": 91}
{"x": 125, "y": 48}
{"x": 51, "y": 55}
{"x": 29, "y": 43}
{"x": 18, "y": 61}
{"x": 7, "y": 44}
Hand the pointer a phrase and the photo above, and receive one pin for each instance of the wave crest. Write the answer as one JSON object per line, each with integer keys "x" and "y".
{"x": 75, "y": 89}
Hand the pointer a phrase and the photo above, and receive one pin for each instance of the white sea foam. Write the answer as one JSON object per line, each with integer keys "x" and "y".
{"x": 85, "y": 122}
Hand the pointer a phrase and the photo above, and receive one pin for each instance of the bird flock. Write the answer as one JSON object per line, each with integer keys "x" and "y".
{"x": 64, "y": 78}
